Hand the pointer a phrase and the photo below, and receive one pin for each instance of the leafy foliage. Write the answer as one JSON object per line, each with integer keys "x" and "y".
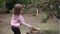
{"x": 56, "y": 8}
{"x": 2, "y": 3}
{"x": 10, "y": 3}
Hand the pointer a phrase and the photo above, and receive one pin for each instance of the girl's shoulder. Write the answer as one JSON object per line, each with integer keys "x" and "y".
{"x": 21, "y": 16}
{"x": 14, "y": 15}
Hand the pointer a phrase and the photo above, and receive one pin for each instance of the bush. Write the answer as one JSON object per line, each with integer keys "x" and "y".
{"x": 45, "y": 18}
{"x": 34, "y": 14}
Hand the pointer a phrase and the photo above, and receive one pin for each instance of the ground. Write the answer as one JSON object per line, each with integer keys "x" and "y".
{"x": 51, "y": 27}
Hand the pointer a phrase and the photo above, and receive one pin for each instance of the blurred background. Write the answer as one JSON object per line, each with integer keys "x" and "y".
{"x": 43, "y": 14}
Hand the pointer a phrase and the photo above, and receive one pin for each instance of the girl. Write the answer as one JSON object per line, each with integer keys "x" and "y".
{"x": 17, "y": 19}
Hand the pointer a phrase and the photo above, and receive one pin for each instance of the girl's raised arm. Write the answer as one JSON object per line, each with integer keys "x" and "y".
{"x": 23, "y": 22}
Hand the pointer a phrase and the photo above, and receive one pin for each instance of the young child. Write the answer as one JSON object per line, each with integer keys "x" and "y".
{"x": 17, "y": 19}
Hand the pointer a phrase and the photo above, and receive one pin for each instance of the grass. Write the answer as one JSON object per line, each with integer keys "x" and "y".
{"x": 51, "y": 32}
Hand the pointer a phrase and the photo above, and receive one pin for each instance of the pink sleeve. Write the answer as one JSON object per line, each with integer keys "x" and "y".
{"x": 23, "y": 22}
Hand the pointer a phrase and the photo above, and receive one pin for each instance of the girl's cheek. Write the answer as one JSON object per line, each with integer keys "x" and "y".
{"x": 21, "y": 12}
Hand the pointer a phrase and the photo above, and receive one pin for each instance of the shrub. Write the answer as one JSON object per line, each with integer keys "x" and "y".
{"x": 34, "y": 14}
{"x": 45, "y": 18}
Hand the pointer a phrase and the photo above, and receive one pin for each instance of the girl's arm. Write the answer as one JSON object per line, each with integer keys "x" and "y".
{"x": 28, "y": 25}
{"x": 24, "y": 23}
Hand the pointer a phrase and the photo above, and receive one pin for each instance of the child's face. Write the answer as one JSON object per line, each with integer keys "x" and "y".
{"x": 21, "y": 12}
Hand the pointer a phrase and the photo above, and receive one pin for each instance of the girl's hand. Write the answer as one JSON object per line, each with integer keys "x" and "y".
{"x": 34, "y": 28}
{"x": 31, "y": 28}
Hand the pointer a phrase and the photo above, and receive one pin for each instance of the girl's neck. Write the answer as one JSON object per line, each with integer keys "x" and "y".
{"x": 17, "y": 14}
